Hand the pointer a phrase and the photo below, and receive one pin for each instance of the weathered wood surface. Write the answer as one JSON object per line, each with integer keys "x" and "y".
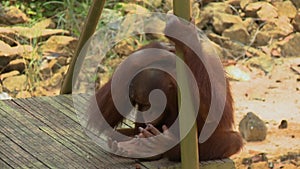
{"x": 44, "y": 132}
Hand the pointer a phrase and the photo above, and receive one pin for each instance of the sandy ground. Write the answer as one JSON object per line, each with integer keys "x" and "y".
{"x": 273, "y": 97}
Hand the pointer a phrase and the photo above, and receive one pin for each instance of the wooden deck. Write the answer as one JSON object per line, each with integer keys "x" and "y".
{"x": 44, "y": 132}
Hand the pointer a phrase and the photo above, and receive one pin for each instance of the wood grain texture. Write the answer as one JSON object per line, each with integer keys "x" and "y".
{"x": 44, "y": 132}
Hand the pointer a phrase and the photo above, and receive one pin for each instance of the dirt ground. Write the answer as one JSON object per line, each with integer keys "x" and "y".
{"x": 273, "y": 97}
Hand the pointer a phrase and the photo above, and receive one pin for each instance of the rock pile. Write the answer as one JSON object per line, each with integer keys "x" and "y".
{"x": 33, "y": 60}
{"x": 247, "y": 28}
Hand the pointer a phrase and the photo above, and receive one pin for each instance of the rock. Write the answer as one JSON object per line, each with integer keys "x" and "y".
{"x": 278, "y": 27}
{"x": 109, "y": 15}
{"x": 264, "y": 62}
{"x": 168, "y": 5}
{"x": 296, "y": 22}
{"x": 63, "y": 70}
{"x": 153, "y": 3}
{"x": 205, "y": 2}
{"x": 6, "y": 54}
{"x": 276, "y": 52}
{"x": 56, "y": 80}
{"x": 259, "y": 165}
{"x": 132, "y": 8}
{"x": 18, "y": 64}
{"x": 195, "y": 12}
{"x": 123, "y": 48}
{"x": 262, "y": 38}
{"x": 207, "y": 13}
{"x": 15, "y": 83}
{"x": 285, "y": 8}
{"x": 13, "y": 15}
{"x": 45, "y": 70}
{"x": 8, "y": 35}
{"x": 263, "y": 10}
{"x": 221, "y": 52}
{"x": 31, "y": 55}
{"x": 40, "y": 91}
{"x": 255, "y": 159}
{"x": 59, "y": 45}
{"x": 244, "y": 3}
{"x": 283, "y": 124}
{"x": 251, "y": 25}
{"x": 234, "y": 3}
{"x": 22, "y": 49}
{"x": 36, "y": 33}
{"x": 235, "y": 73}
{"x": 251, "y": 8}
{"x": 290, "y": 47}
{"x": 203, "y": 20}
{"x": 296, "y": 3}
{"x": 53, "y": 65}
{"x": 252, "y": 128}
{"x": 47, "y": 67}
{"x": 154, "y": 24}
{"x": 223, "y": 21}
{"x": 4, "y": 96}
{"x": 267, "y": 12}
{"x": 237, "y": 33}
{"x": 218, "y": 7}
{"x": 23, "y": 94}
{"x": 44, "y": 24}
{"x": 229, "y": 48}
{"x": 4, "y": 47}
{"x": 62, "y": 61}
{"x": 9, "y": 74}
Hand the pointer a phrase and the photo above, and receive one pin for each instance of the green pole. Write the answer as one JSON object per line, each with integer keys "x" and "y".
{"x": 88, "y": 30}
{"x": 189, "y": 145}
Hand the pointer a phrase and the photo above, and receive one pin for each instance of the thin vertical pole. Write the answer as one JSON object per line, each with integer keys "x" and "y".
{"x": 88, "y": 30}
{"x": 189, "y": 145}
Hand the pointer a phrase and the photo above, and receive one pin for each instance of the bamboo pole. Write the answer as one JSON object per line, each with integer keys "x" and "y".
{"x": 189, "y": 145}
{"x": 88, "y": 30}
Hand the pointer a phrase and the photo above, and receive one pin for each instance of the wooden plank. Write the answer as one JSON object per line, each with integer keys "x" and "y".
{"x": 6, "y": 158}
{"x": 226, "y": 163}
{"x": 68, "y": 133}
{"x": 53, "y": 146}
{"x": 166, "y": 164}
{"x": 3, "y": 164}
{"x": 44, "y": 132}
{"x": 15, "y": 156}
{"x": 32, "y": 139}
{"x": 58, "y": 126}
{"x": 68, "y": 155}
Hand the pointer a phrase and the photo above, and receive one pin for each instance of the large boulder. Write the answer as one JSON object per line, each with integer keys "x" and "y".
{"x": 252, "y": 128}
{"x": 237, "y": 33}
{"x": 59, "y": 46}
{"x": 290, "y": 46}
{"x": 222, "y": 21}
{"x": 18, "y": 64}
{"x": 9, "y": 74}
{"x": 278, "y": 27}
{"x": 285, "y": 8}
{"x": 262, "y": 10}
{"x": 15, "y": 83}
{"x": 6, "y": 55}
{"x": 12, "y": 15}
